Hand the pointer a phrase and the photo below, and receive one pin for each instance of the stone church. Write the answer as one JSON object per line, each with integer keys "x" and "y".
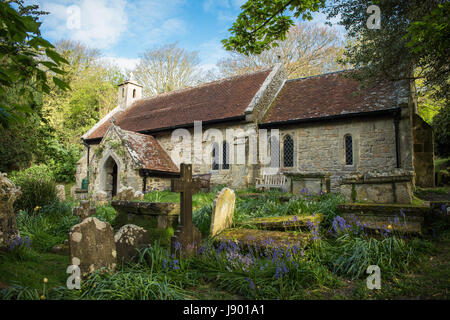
{"x": 335, "y": 135}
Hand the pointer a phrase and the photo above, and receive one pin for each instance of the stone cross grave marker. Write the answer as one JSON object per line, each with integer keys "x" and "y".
{"x": 187, "y": 237}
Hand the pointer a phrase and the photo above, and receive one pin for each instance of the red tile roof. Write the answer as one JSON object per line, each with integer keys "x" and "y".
{"x": 216, "y": 100}
{"x": 328, "y": 95}
{"x": 146, "y": 150}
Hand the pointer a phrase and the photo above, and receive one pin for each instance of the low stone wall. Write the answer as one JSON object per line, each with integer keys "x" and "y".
{"x": 313, "y": 183}
{"x": 160, "y": 219}
{"x": 378, "y": 187}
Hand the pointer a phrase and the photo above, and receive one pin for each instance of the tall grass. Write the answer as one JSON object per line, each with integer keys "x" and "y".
{"x": 48, "y": 225}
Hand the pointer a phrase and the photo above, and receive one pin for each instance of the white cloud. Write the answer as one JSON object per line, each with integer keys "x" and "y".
{"x": 211, "y": 52}
{"x": 124, "y": 64}
{"x": 102, "y": 22}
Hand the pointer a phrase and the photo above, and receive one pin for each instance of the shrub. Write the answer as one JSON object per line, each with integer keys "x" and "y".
{"x": 106, "y": 213}
{"x": 350, "y": 256}
{"x": 49, "y": 227}
{"x": 202, "y": 218}
{"x": 37, "y": 186}
{"x": 441, "y": 126}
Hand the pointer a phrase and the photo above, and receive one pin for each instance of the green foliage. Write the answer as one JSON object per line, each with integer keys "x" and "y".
{"x": 37, "y": 186}
{"x": 18, "y": 144}
{"x": 262, "y": 22}
{"x": 24, "y": 57}
{"x": 202, "y": 219}
{"x": 429, "y": 40}
{"x": 48, "y": 225}
{"x": 64, "y": 161}
{"x": 413, "y": 35}
{"x": 350, "y": 256}
{"x": 441, "y": 126}
{"x": 105, "y": 213}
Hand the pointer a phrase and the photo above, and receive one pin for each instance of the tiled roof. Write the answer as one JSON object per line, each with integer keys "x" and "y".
{"x": 148, "y": 152}
{"x": 223, "y": 99}
{"x": 329, "y": 95}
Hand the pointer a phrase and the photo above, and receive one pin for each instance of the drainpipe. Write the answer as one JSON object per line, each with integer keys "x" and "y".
{"x": 86, "y": 184}
{"x": 397, "y": 137}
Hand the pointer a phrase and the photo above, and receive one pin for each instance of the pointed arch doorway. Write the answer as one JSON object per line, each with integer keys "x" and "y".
{"x": 110, "y": 170}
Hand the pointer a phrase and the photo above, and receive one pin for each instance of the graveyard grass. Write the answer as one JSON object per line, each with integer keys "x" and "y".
{"x": 331, "y": 267}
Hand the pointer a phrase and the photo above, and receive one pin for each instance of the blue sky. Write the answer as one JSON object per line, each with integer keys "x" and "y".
{"x": 123, "y": 29}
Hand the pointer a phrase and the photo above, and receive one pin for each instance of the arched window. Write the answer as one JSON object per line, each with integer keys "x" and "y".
{"x": 225, "y": 155}
{"x": 215, "y": 156}
{"x": 348, "y": 144}
{"x": 134, "y": 93}
{"x": 288, "y": 152}
{"x": 123, "y": 92}
{"x": 274, "y": 152}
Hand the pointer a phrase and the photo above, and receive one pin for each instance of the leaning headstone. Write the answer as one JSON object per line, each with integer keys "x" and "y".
{"x": 125, "y": 194}
{"x": 8, "y": 225}
{"x": 61, "y": 192}
{"x": 92, "y": 246}
{"x": 128, "y": 239}
{"x": 84, "y": 210}
{"x": 223, "y": 210}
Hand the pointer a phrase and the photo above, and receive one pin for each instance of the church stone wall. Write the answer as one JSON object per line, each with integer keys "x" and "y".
{"x": 320, "y": 147}
{"x": 237, "y": 176}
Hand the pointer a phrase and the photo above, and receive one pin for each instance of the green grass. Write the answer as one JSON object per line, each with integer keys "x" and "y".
{"x": 31, "y": 272}
{"x": 329, "y": 268}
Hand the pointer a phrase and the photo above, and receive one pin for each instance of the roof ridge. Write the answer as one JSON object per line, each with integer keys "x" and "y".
{"x": 320, "y": 75}
{"x": 207, "y": 84}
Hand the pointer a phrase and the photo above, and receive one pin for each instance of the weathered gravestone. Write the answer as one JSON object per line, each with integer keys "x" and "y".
{"x": 125, "y": 194}
{"x": 92, "y": 246}
{"x": 187, "y": 238}
{"x": 128, "y": 239}
{"x": 8, "y": 225}
{"x": 223, "y": 210}
{"x": 100, "y": 197}
{"x": 84, "y": 210}
{"x": 61, "y": 192}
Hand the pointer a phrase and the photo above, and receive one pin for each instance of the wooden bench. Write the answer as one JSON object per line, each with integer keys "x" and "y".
{"x": 272, "y": 181}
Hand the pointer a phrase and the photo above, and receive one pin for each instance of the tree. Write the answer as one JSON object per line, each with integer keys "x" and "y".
{"x": 441, "y": 125}
{"x": 24, "y": 58}
{"x": 167, "y": 68}
{"x": 261, "y": 22}
{"x": 307, "y": 50}
{"x": 94, "y": 92}
{"x": 414, "y": 35}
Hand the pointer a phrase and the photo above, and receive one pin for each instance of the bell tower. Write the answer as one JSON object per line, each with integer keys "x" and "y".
{"x": 129, "y": 92}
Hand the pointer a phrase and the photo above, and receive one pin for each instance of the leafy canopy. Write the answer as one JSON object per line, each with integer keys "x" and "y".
{"x": 261, "y": 22}
{"x": 24, "y": 59}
